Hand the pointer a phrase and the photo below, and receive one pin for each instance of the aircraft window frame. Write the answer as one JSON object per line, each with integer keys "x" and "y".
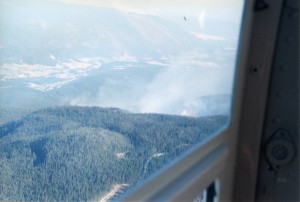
{"x": 215, "y": 158}
{"x": 178, "y": 181}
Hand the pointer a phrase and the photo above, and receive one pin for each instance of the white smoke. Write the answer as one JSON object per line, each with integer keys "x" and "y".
{"x": 189, "y": 86}
{"x": 179, "y": 89}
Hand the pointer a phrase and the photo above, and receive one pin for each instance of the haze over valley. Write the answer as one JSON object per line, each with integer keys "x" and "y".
{"x": 88, "y": 90}
{"x": 113, "y": 58}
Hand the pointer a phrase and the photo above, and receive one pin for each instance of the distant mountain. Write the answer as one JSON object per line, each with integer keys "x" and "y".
{"x": 79, "y": 153}
{"x": 40, "y": 34}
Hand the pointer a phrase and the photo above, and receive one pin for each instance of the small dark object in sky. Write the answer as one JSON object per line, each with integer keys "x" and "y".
{"x": 184, "y": 18}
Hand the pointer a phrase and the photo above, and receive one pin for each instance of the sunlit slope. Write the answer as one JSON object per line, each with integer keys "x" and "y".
{"x": 79, "y": 153}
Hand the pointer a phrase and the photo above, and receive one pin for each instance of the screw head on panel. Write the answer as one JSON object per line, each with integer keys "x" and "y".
{"x": 253, "y": 69}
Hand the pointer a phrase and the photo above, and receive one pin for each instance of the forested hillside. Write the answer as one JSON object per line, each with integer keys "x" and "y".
{"x": 12, "y": 114}
{"x": 79, "y": 153}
